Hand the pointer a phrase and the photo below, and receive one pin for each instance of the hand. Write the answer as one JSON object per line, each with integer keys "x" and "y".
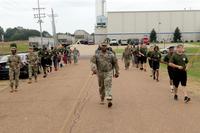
{"x": 116, "y": 75}
{"x": 180, "y": 67}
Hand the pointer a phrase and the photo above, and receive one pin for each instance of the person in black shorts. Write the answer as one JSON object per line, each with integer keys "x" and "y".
{"x": 169, "y": 68}
{"x": 156, "y": 57}
{"x": 149, "y": 54}
{"x": 142, "y": 56}
{"x": 179, "y": 62}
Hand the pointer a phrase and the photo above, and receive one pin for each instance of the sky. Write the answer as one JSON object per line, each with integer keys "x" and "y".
{"x": 77, "y": 14}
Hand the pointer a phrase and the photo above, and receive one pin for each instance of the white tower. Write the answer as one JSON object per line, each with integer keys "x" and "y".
{"x": 101, "y": 19}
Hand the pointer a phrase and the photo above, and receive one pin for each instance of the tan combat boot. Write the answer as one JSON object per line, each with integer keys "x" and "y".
{"x": 30, "y": 81}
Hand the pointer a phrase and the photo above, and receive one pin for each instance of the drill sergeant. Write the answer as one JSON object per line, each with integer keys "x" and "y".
{"x": 102, "y": 64}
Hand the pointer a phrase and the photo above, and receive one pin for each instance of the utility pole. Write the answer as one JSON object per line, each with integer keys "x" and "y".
{"x": 54, "y": 26}
{"x": 39, "y": 16}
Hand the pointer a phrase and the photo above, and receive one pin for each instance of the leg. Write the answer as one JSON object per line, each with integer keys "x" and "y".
{"x": 184, "y": 84}
{"x": 44, "y": 70}
{"x": 176, "y": 84}
{"x": 101, "y": 86}
{"x": 35, "y": 72}
{"x": 11, "y": 77}
{"x": 17, "y": 73}
{"x": 108, "y": 85}
{"x": 157, "y": 74}
{"x": 30, "y": 72}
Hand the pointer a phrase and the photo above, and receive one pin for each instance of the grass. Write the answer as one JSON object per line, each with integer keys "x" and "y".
{"x": 22, "y": 46}
{"x": 193, "y": 50}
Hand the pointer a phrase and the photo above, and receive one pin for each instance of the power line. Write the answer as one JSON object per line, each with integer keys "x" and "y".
{"x": 39, "y": 16}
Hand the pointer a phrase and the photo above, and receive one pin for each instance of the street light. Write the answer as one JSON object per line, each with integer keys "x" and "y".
{"x": 159, "y": 23}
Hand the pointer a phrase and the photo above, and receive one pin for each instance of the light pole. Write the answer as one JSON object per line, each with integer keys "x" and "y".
{"x": 159, "y": 23}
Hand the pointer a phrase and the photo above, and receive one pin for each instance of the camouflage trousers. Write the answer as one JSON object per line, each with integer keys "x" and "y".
{"x": 75, "y": 59}
{"x": 105, "y": 84}
{"x": 14, "y": 77}
{"x": 32, "y": 70}
{"x": 127, "y": 63}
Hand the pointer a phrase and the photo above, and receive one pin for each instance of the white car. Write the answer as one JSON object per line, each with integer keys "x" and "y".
{"x": 114, "y": 42}
{"x": 165, "y": 50}
{"x": 124, "y": 42}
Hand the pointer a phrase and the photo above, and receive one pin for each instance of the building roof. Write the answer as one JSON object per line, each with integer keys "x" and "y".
{"x": 154, "y": 11}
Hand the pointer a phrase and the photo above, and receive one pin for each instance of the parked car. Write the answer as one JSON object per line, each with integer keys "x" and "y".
{"x": 165, "y": 50}
{"x": 135, "y": 42}
{"x": 84, "y": 42}
{"x": 90, "y": 42}
{"x": 124, "y": 42}
{"x": 4, "y": 68}
{"x": 114, "y": 42}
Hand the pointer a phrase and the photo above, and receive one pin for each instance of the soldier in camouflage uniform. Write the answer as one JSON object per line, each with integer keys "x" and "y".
{"x": 127, "y": 54}
{"x": 14, "y": 62}
{"x": 76, "y": 54}
{"x": 103, "y": 64}
{"x": 32, "y": 60}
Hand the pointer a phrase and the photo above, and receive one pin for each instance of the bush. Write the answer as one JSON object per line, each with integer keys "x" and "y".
{"x": 186, "y": 41}
{"x": 198, "y": 40}
{"x": 191, "y": 41}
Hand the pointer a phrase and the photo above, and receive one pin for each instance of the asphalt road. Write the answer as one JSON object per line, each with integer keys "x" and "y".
{"x": 68, "y": 102}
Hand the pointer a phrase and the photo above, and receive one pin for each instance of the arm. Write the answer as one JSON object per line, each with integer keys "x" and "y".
{"x": 116, "y": 66}
{"x": 172, "y": 64}
{"x": 9, "y": 61}
{"x": 93, "y": 62}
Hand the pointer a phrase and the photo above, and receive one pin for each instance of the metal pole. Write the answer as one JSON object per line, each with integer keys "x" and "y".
{"x": 54, "y": 27}
{"x": 40, "y": 22}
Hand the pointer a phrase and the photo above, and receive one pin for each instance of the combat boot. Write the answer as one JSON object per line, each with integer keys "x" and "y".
{"x": 16, "y": 88}
{"x": 30, "y": 81}
{"x": 12, "y": 90}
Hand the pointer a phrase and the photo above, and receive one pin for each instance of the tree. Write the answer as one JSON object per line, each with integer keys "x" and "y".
{"x": 46, "y": 34}
{"x": 1, "y": 33}
{"x": 19, "y": 33}
{"x": 153, "y": 36}
{"x": 177, "y": 35}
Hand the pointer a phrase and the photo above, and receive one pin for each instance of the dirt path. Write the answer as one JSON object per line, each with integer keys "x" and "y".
{"x": 68, "y": 102}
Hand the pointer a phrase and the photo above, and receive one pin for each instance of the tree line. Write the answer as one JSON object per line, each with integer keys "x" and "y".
{"x": 20, "y": 33}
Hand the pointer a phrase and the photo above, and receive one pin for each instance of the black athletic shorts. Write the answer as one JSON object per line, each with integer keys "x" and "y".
{"x": 170, "y": 72}
{"x": 151, "y": 63}
{"x": 142, "y": 59}
{"x": 156, "y": 65}
{"x": 180, "y": 76}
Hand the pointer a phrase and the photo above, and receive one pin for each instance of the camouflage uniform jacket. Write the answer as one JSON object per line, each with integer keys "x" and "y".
{"x": 32, "y": 59}
{"x": 14, "y": 62}
{"x": 104, "y": 62}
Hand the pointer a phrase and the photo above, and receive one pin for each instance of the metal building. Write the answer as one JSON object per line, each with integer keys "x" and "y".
{"x": 137, "y": 24}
